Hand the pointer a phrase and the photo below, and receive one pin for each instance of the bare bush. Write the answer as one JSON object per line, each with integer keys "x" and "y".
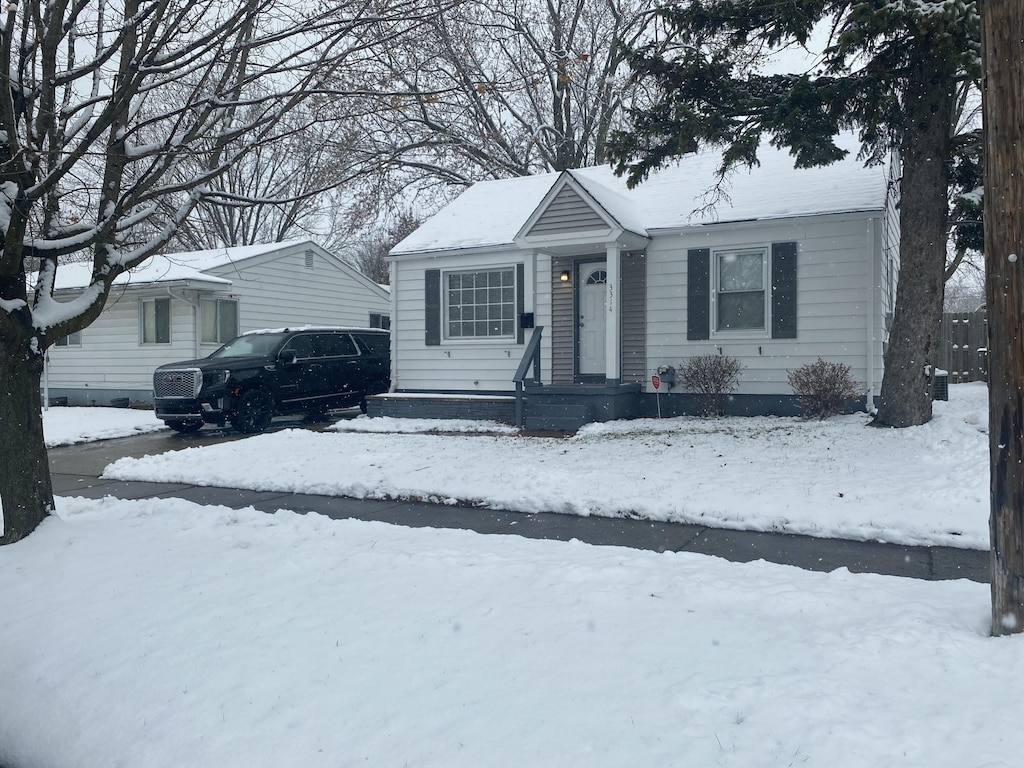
{"x": 823, "y": 389}
{"x": 713, "y": 378}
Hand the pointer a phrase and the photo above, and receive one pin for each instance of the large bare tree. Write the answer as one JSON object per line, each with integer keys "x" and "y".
{"x": 292, "y": 187}
{"x": 369, "y": 255}
{"x": 498, "y": 89}
{"x": 102, "y": 104}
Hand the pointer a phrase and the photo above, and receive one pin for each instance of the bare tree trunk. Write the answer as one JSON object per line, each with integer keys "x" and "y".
{"x": 1002, "y": 33}
{"x": 906, "y": 397}
{"x": 25, "y": 487}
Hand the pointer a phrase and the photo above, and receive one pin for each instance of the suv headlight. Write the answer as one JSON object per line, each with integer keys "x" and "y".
{"x": 213, "y": 379}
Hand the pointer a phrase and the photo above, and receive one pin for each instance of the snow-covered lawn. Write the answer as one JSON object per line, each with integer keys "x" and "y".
{"x": 68, "y": 425}
{"x": 835, "y": 478}
{"x": 160, "y": 633}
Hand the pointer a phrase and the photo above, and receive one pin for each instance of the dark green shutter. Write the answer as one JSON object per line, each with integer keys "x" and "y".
{"x": 698, "y": 289}
{"x": 520, "y": 300}
{"x": 432, "y": 306}
{"x": 784, "y": 290}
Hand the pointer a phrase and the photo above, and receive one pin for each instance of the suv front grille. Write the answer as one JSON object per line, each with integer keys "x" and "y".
{"x": 183, "y": 382}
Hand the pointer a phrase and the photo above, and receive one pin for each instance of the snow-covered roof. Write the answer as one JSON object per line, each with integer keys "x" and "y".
{"x": 491, "y": 213}
{"x": 172, "y": 267}
{"x": 488, "y": 213}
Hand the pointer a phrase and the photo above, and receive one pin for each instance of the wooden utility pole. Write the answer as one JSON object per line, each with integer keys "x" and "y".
{"x": 1002, "y": 48}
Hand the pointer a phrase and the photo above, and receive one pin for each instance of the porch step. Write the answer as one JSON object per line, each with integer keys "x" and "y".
{"x": 557, "y": 416}
{"x": 420, "y": 405}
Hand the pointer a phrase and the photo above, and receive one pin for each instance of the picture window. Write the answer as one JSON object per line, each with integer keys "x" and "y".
{"x": 480, "y": 304}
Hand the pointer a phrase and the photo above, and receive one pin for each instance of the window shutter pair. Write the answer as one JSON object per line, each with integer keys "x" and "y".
{"x": 433, "y": 307}
{"x": 783, "y": 292}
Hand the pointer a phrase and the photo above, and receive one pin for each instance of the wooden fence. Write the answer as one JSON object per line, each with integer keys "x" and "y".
{"x": 963, "y": 341}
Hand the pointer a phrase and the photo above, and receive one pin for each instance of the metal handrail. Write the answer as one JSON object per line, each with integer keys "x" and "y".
{"x": 531, "y": 359}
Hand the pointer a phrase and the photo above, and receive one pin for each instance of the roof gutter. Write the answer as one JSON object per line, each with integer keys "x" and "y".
{"x": 195, "y": 285}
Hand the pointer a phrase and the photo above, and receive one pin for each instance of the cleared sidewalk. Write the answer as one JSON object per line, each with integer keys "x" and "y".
{"x": 76, "y": 471}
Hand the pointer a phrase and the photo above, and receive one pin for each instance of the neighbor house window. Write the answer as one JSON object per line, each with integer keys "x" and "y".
{"x": 71, "y": 340}
{"x": 480, "y": 304}
{"x": 740, "y": 280}
{"x": 219, "y": 319}
{"x": 156, "y": 321}
{"x": 379, "y": 320}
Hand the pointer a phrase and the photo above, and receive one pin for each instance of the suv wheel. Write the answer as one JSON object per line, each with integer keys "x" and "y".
{"x": 253, "y": 411}
{"x": 185, "y": 427}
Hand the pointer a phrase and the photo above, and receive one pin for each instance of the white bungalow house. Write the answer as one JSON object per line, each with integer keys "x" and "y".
{"x": 183, "y": 306}
{"x": 609, "y": 286}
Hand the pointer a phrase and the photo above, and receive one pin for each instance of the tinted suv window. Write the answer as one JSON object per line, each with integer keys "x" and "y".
{"x": 302, "y": 346}
{"x": 376, "y": 343}
{"x": 335, "y": 345}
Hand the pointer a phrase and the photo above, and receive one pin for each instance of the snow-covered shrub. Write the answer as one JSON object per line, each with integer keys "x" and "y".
{"x": 823, "y": 389}
{"x": 713, "y": 378}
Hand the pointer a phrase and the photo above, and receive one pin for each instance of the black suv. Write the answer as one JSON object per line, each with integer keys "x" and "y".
{"x": 261, "y": 374}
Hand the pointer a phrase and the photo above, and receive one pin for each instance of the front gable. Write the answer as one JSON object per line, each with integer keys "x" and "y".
{"x": 568, "y": 214}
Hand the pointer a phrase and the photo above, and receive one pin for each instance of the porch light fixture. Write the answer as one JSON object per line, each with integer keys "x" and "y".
{"x": 564, "y": 277}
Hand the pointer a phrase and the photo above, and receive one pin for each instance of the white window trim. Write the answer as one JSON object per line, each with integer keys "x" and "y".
{"x": 142, "y": 322}
{"x": 445, "y": 317}
{"x": 758, "y": 333}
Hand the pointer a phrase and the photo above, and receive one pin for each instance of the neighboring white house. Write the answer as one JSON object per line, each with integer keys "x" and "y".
{"x": 183, "y": 306}
{"x": 785, "y": 267}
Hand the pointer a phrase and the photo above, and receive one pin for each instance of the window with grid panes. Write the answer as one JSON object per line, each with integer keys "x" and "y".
{"x": 480, "y": 304}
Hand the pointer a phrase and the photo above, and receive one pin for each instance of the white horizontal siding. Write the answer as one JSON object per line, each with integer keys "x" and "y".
{"x": 838, "y": 304}
{"x": 277, "y": 290}
{"x": 465, "y": 366}
{"x": 837, "y": 257}
{"x": 274, "y": 290}
{"x": 112, "y": 357}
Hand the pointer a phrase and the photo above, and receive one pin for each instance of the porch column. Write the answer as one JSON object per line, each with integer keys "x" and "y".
{"x": 612, "y": 372}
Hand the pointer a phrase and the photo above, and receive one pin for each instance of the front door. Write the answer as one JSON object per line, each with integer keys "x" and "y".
{"x": 592, "y": 279}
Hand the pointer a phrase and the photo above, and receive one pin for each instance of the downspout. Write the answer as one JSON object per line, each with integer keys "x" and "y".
{"x": 393, "y": 307}
{"x": 46, "y": 380}
{"x": 873, "y": 304}
{"x": 195, "y": 319}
